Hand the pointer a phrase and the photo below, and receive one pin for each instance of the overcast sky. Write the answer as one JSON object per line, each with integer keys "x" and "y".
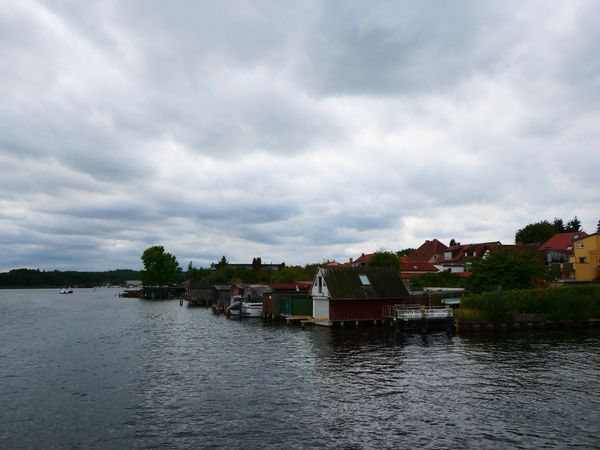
{"x": 293, "y": 131}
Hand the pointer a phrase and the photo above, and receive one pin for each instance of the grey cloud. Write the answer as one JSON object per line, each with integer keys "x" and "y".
{"x": 292, "y": 131}
{"x": 397, "y": 48}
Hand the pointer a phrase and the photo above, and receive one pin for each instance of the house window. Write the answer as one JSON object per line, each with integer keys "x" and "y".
{"x": 364, "y": 280}
{"x": 582, "y": 260}
{"x": 320, "y": 282}
{"x": 580, "y": 245}
{"x": 448, "y": 255}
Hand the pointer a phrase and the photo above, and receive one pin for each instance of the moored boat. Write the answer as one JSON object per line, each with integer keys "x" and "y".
{"x": 251, "y": 308}
{"x": 235, "y": 306}
{"x": 66, "y": 290}
{"x": 252, "y": 305}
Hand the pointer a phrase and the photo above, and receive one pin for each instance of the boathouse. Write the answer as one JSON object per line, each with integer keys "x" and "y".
{"x": 198, "y": 294}
{"x": 288, "y": 300}
{"x": 355, "y": 294}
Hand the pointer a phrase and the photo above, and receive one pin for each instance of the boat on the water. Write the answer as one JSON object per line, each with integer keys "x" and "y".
{"x": 252, "y": 305}
{"x": 66, "y": 290}
{"x": 251, "y": 308}
{"x": 235, "y": 306}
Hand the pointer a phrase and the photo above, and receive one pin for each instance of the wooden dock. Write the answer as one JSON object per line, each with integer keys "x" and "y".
{"x": 411, "y": 318}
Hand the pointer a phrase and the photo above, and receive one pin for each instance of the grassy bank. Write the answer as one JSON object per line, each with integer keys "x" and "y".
{"x": 564, "y": 303}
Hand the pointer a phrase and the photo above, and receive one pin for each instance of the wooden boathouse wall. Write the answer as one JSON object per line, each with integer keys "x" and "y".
{"x": 360, "y": 310}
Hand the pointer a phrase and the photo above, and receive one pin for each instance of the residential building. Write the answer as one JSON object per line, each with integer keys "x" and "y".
{"x": 559, "y": 248}
{"x": 429, "y": 251}
{"x": 456, "y": 258}
{"x": 586, "y": 259}
{"x": 411, "y": 269}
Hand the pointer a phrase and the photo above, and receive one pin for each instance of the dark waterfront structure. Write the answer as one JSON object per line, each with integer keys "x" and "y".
{"x": 355, "y": 294}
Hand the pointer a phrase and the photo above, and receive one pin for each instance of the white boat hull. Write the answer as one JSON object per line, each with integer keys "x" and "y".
{"x": 252, "y": 309}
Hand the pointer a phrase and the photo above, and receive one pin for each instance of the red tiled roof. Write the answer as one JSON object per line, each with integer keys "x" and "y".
{"x": 301, "y": 285}
{"x": 416, "y": 266}
{"x": 561, "y": 241}
{"x": 427, "y": 251}
{"x": 469, "y": 251}
{"x": 362, "y": 260}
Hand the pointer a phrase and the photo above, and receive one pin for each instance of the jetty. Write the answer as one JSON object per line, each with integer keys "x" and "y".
{"x": 420, "y": 318}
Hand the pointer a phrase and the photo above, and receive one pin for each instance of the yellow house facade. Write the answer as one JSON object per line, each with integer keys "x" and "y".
{"x": 586, "y": 262}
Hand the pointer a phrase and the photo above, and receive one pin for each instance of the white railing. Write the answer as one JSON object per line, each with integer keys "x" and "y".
{"x": 417, "y": 312}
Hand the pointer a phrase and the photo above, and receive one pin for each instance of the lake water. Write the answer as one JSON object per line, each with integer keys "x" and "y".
{"x": 91, "y": 370}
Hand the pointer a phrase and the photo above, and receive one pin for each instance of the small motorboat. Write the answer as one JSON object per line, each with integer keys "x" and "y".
{"x": 66, "y": 290}
{"x": 235, "y": 306}
{"x": 252, "y": 305}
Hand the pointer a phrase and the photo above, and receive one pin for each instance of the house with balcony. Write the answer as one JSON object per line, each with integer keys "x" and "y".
{"x": 456, "y": 258}
{"x": 559, "y": 248}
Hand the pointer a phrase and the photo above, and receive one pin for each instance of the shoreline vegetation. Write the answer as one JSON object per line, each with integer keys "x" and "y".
{"x": 498, "y": 309}
{"x": 557, "y": 303}
{"x": 38, "y": 279}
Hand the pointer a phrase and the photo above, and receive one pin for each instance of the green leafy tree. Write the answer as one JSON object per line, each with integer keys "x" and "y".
{"x": 573, "y": 225}
{"x": 438, "y": 279}
{"x": 559, "y": 225}
{"x": 506, "y": 269}
{"x": 160, "y": 267}
{"x": 535, "y": 232}
{"x": 384, "y": 258}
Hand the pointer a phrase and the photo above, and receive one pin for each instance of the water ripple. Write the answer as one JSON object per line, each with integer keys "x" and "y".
{"x": 96, "y": 371}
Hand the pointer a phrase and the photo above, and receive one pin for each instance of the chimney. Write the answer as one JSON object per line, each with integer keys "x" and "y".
{"x": 351, "y": 260}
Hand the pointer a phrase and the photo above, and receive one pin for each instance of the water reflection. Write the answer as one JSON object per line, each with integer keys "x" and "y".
{"x": 157, "y": 375}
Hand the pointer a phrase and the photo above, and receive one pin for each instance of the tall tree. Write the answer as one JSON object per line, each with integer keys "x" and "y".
{"x": 535, "y": 232}
{"x": 452, "y": 242}
{"x": 559, "y": 225}
{"x": 506, "y": 269}
{"x": 384, "y": 258}
{"x": 598, "y": 227}
{"x": 573, "y": 225}
{"x": 223, "y": 262}
{"x": 160, "y": 267}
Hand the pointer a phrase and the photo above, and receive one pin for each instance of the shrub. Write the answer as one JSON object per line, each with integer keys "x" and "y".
{"x": 564, "y": 303}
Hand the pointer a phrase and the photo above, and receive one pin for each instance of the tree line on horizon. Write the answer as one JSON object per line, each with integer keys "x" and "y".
{"x": 162, "y": 268}
{"x": 540, "y": 232}
{"x": 38, "y": 278}
{"x": 504, "y": 269}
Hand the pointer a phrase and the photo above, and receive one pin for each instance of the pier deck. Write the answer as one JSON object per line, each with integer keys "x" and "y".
{"x": 420, "y": 318}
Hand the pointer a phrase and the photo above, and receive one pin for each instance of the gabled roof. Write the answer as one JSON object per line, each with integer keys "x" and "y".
{"x": 299, "y": 286}
{"x": 562, "y": 241}
{"x": 362, "y": 260}
{"x": 458, "y": 252}
{"x": 416, "y": 266}
{"x": 427, "y": 251}
{"x": 345, "y": 283}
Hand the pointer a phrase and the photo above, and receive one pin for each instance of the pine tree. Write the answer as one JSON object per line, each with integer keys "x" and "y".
{"x": 573, "y": 225}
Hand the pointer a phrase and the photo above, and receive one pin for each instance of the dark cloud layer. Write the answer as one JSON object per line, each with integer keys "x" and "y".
{"x": 292, "y": 131}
